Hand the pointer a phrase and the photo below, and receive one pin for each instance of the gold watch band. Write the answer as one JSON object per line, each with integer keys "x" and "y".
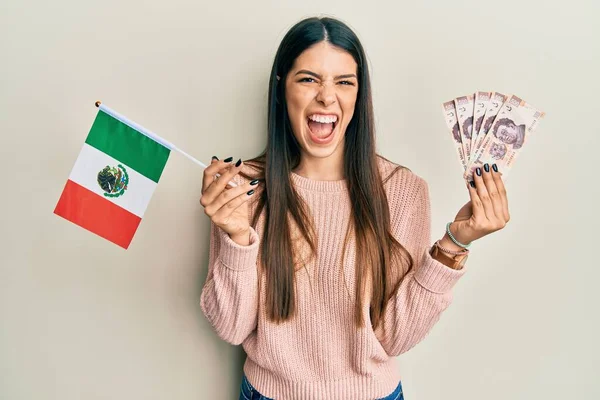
{"x": 452, "y": 261}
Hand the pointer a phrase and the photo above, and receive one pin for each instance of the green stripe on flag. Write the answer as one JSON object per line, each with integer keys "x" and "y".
{"x": 129, "y": 146}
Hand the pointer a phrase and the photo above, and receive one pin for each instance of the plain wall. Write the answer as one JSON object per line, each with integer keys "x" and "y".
{"x": 82, "y": 318}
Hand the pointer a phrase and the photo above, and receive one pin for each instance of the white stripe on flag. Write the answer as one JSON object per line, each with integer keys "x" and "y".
{"x": 85, "y": 172}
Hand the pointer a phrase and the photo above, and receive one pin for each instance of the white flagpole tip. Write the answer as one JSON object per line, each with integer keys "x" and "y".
{"x": 98, "y": 103}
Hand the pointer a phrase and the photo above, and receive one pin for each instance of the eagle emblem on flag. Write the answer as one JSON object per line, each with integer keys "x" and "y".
{"x": 113, "y": 180}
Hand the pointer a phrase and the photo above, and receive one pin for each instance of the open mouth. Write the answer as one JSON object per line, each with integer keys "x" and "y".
{"x": 322, "y": 126}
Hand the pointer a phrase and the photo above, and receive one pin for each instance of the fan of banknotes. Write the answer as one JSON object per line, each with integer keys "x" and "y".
{"x": 489, "y": 127}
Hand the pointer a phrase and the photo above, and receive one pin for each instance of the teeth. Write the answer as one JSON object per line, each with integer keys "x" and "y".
{"x": 324, "y": 119}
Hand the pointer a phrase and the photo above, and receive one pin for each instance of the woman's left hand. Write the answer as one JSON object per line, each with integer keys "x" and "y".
{"x": 487, "y": 211}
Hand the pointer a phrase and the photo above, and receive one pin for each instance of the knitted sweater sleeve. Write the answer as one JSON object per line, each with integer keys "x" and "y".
{"x": 229, "y": 298}
{"x": 426, "y": 289}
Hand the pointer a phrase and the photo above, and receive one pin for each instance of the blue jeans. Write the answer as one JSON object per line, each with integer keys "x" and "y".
{"x": 247, "y": 392}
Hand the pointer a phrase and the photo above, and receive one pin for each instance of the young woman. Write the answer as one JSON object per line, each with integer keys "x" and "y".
{"x": 320, "y": 263}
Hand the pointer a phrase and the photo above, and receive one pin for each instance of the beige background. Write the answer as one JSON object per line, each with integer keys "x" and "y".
{"x": 83, "y": 319}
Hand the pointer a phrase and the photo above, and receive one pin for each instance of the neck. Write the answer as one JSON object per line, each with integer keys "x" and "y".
{"x": 321, "y": 168}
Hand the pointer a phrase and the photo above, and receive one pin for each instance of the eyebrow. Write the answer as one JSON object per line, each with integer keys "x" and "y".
{"x": 307, "y": 72}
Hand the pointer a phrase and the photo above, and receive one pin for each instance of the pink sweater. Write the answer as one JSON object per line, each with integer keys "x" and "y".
{"x": 320, "y": 354}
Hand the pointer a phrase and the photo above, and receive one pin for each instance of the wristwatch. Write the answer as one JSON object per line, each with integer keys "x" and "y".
{"x": 454, "y": 262}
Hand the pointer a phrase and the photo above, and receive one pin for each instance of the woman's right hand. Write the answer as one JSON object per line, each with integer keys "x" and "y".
{"x": 227, "y": 206}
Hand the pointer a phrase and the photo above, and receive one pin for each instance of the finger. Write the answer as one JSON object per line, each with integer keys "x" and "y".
{"x": 497, "y": 175}
{"x": 218, "y": 185}
{"x": 208, "y": 180}
{"x": 227, "y": 198}
{"x": 476, "y": 205}
{"x": 213, "y": 160}
{"x": 226, "y": 176}
{"x": 484, "y": 196}
{"x": 219, "y": 211}
{"x": 215, "y": 167}
{"x": 490, "y": 185}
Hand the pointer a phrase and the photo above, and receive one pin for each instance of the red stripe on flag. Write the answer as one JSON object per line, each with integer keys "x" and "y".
{"x": 96, "y": 214}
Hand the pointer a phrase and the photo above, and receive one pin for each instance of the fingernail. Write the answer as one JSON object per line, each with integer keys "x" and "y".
{"x": 237, "y": 164}
{"x": 228, "y": 159}
{"x": 495, "y": 167}
{"x": 254, "y": 182}
{"x": 250, "y": 192}
{"x": 478, "y": 171}
{"x": 486, "y": 166}
{"x": 472, "y": 184}
{"x": 215, "y": 158}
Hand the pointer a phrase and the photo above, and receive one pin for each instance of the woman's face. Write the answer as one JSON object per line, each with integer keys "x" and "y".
{"x": 320, "y": 91}
{"x": 507, "y": 133}
{"x": 497, "y": 150}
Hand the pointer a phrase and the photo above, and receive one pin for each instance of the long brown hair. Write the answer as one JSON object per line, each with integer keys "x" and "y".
{"x": 377, "y": 251}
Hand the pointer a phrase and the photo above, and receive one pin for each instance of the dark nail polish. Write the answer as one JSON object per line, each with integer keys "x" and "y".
{"x": 237, "y": 164}
{"x": 254, "y": 182}
{"x": 478, "y": 171}
{"x": 486, "y": 167}
{"x": 472, "y": 184}
{"x": 228, "y": 159}
{"x": 250, "y": 192}
{"x": 495, "y": 167}
{"x": 215, "y": 158}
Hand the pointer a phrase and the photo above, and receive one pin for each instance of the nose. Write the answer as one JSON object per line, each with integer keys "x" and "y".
{"x": 326, "y": 95}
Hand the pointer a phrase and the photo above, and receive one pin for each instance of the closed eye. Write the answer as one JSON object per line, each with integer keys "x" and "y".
{"x": 350, "y": 83}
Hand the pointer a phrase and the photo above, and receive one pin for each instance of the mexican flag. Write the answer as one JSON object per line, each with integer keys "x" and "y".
{"x": 113, "y": 179}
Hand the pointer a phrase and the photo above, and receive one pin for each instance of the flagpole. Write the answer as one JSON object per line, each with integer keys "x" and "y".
{"x": 151, "y": 135}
